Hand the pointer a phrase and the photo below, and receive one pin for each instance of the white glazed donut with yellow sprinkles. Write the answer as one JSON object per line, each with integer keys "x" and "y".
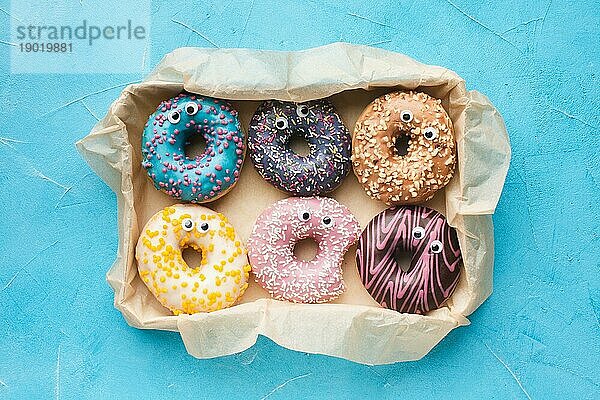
{"x": 219, "y": 280}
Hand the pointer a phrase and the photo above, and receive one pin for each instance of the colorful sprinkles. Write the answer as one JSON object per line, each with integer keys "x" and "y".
{"x": 275, "y": 234}
{"x": 323, "y": 169}
{"x": 167, "y": 133}
{"x": 219, "y": 280}
{"x": 386, "y": 172}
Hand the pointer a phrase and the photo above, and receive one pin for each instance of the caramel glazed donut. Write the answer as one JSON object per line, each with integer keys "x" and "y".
{"x": 391, "y": 174}
{"x": 219, "y": 280}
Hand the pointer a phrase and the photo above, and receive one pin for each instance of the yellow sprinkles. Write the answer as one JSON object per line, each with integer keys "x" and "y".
{"x": 220, "y": 278}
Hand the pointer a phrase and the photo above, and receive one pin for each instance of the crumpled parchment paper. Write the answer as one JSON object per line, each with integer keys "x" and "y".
{"x": 354, "y": 326}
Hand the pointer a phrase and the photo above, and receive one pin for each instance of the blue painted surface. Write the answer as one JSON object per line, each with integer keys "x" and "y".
{"x": 537, "y": 336}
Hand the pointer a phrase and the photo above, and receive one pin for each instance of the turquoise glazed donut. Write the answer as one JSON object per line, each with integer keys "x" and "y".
{"x": 202, "y": 178}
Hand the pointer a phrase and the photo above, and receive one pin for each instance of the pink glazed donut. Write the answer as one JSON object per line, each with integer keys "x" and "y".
{"x": 275, "y": 234}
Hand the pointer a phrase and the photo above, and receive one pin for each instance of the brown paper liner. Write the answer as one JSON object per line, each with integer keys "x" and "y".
{"x": 354, "y": 326}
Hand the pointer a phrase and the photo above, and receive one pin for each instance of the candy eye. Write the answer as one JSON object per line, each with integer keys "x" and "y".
{"x": 302, "y": 110}
{"x": 191, "y": 108}
{"x": 436, "y": 247}
{"x": 418, "y": 232}
{"x": 406, "y": 115}
{"x": 174, "y": 116}
{"x": 430, "y": 133}
{"x": 187, "y": 224}
{"x": 281, "y": 123}
{"x": 303, "y": 215}
{"x": 204, "y": 227}
{"x": 327, "y": 221}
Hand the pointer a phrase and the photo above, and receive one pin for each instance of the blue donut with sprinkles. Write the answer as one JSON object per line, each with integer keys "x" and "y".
{"x": 202, "y": 178}
{"x": 272, "y": 128}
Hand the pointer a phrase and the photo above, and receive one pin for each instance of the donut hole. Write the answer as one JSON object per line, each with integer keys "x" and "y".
{"x": 195, "y": 146}
{"x": 299, "y": 145}
{"x": 403, "y": 259}
{"x": 192, "y": 257}
{"x": 401, "y": 143}
{"x": 306, "y": 249}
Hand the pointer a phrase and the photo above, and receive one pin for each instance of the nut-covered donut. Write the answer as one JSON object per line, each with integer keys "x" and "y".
{"x": 317, "y": 122}
{"x": 403, "y": 149}
{"x": 168, "y": 131}
{"x": 219, "y": 280}
{"x": 435, "y": 254}
{"x": 280, "y": 227}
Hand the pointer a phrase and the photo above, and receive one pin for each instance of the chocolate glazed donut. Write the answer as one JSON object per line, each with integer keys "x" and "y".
{"x": 434, "y": 268}
{"x": 323, "y": 169}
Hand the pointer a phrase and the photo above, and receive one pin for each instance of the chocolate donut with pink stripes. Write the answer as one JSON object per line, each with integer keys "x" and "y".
{"x": 435, "y": 259}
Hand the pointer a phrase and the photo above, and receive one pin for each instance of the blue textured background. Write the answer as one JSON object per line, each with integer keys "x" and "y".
{"x": 537, "y": 337}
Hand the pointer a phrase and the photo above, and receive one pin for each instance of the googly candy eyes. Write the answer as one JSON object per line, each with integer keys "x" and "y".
{"x": 406, "y": 116}
{"x": 430, "y": 133}
{"x": 436, "y": 247}
{"x": 327, "y": 222}
{"x": 302, "y": 110}
{"x": 187, "y": 224}
{"x": 303, "y": 215}
{"x": 418, "y": 232}
{"x": 191, "y": 108}
{"x": 281, "y": 123}
{"x": 174, "y": 116}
